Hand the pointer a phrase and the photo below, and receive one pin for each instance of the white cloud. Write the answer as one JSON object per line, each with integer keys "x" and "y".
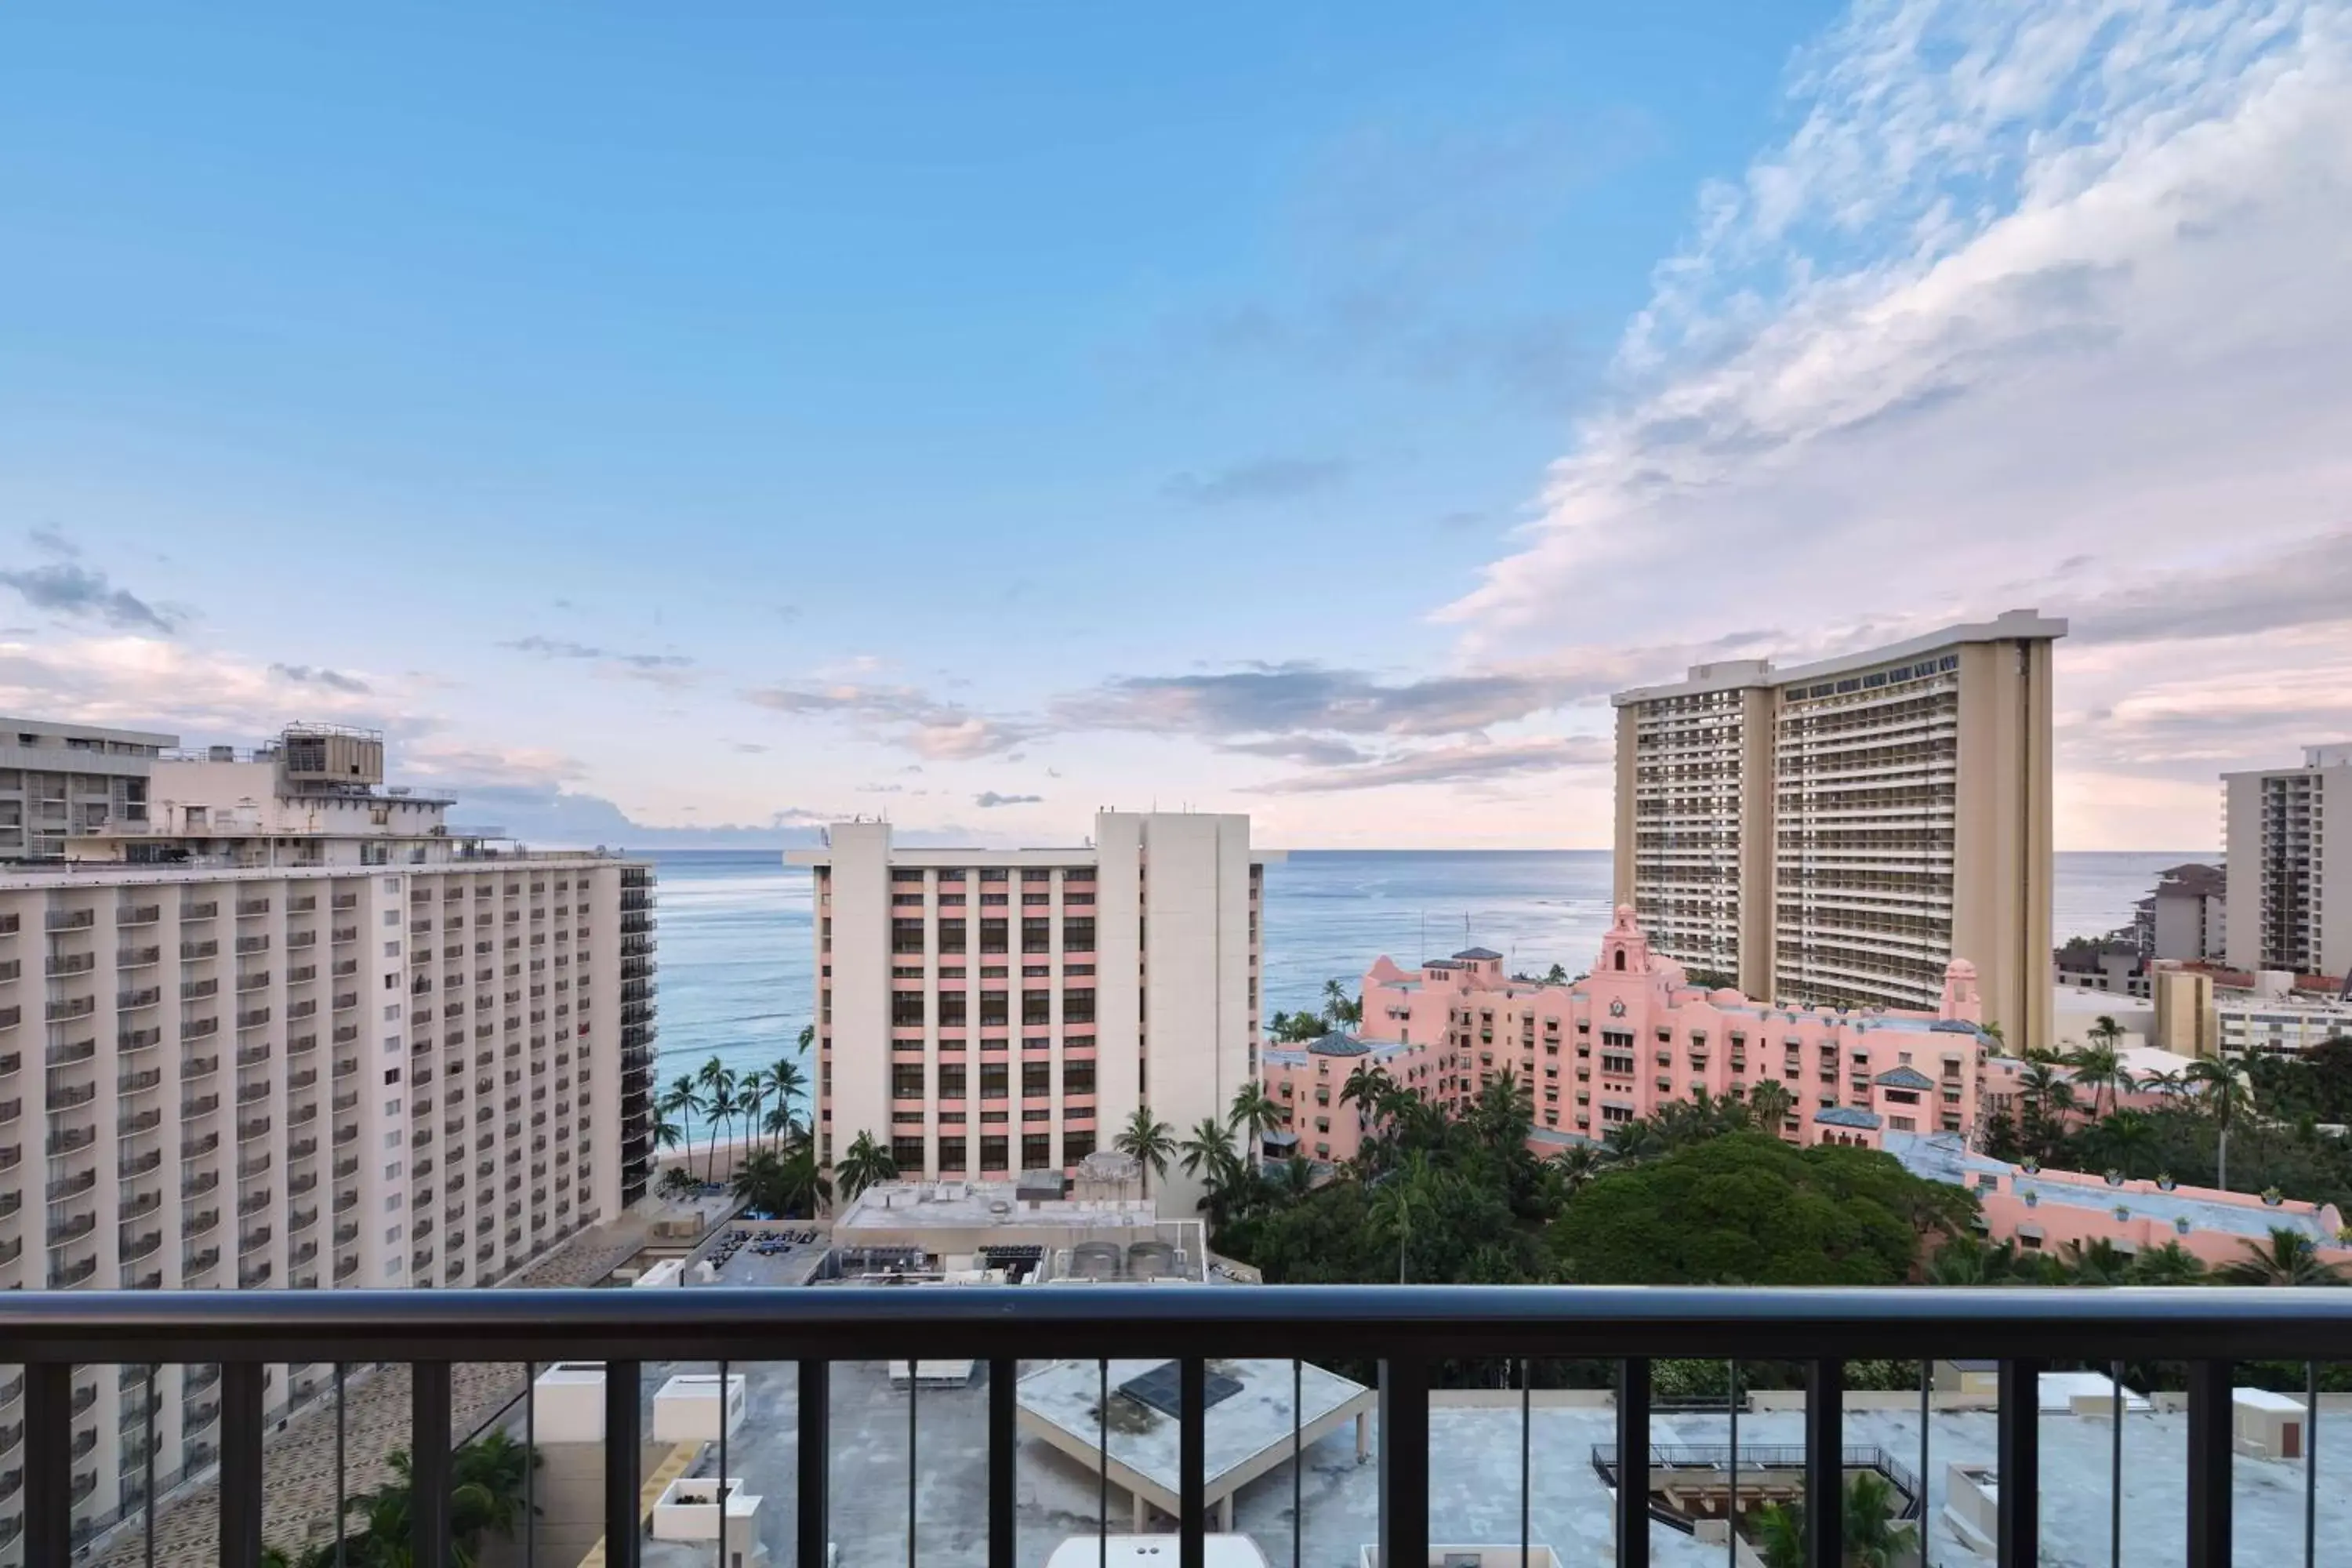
{"x": 144, "y": 681}
{"x": 2039, "y": 304}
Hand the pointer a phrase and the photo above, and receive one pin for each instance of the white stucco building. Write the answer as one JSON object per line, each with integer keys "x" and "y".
{"x": 981, "y": 1011}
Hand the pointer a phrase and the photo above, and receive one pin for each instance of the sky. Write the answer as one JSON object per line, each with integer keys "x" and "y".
{"x": 712, "y": 421}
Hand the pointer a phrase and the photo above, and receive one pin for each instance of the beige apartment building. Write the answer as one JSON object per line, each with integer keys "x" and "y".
{"x": 1836, "y": 833}
{"x": 986, "y": 1012}
{"x": 293, "y": 1031}
{"x": 59, "y": 780}
{"x": 2291, "y": 883}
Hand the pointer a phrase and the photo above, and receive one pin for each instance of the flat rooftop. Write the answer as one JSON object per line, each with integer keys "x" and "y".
{"x": 965, "y": 1205}
{"x": 1474, "y": 1457}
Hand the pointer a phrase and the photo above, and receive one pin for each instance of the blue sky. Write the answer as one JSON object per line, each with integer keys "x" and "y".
{"x": 751, "y": 414}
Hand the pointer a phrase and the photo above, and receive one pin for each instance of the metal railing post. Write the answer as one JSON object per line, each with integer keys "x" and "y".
{"x": 429, "y": 1462}
{"x": 624, "y": 1427}
{"x": 815, "y": 1529}
{"x": 1824, "y": 1464}
{"x": 49, "y": 1461}
{"x": 1003, "y": 1376}
{"x": 1404, "y": 1461}
{"x": 1191, "y": 1463}
{"x": 2018, "y": 1465}
{"x": 240, "y": 1464}
{"x": 1633, "y": 1463}
{"x": 2209, "y": 1464}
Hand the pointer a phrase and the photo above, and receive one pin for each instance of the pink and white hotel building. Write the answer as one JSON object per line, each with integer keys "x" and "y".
{"x": 985, "y": 1011}
{"x": 1627, "y": 1039}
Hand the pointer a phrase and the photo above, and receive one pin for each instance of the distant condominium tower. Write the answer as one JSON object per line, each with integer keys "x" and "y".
{"x": 57, "y": 780}
{"x": 2290, "y": 884}
{"x": 981, "y": 1012}
{"x": 287, "y": 1029}
{"x": 1837, "y": 833}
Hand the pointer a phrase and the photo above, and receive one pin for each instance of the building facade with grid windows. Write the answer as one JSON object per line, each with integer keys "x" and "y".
{"x": 1836, "y": 833}
{"x": 986, "y": 1012}
{"x": 259, "y": 1054}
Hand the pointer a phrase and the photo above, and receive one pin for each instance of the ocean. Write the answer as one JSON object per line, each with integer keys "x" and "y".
{"x": 737, "y": 970}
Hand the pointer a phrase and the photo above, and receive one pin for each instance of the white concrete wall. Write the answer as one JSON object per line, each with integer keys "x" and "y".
{"x": 860, "y": 960}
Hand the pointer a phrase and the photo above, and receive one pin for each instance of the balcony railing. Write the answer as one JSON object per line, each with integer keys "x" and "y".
{"x": 1409, "y": 1332}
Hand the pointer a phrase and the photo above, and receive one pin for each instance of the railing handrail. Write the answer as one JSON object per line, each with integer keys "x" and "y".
{"x": 1050, "y": 1321}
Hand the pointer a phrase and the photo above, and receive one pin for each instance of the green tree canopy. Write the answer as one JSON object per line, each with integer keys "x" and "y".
{"x": 1746, "y": 1208}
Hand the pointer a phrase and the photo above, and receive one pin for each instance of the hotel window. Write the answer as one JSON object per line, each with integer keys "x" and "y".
{"x": 906, "y": 1154}
{"x": 1037, "y": 1150}
{"x": 1036, "y": 935}
{"x": 906, "y": 1009}
{"x": 907, "y": 1081}
{"x": 1036, "y": 1078}
{"x": 992, "y": 1152}
{"x": 1036, "y": 1007}
{"x": 905, "y": 936}
{"x": 950, "y": 1080}
{"x": 1077, "y": 1146}
{"x": 992, "y": 936}
{"x": 992, "y": 1009}
{"x": 951, "y": 1154}
{"x": 1077, "y": 936}
{"x": 1078, "y": 1078}
{"x": 951, "y": 936}
{"x": 951, "y": 1009}
{"x": 994, "y": 1078}
{"x": 1078, "y": 1006}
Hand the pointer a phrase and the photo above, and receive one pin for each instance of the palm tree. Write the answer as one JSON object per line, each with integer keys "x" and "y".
{"x": 1872, "y": 1537}
{"x": 865, "y": 1163}
{"x": 2289, "y": 1258}
{"x": 1630, "y": 1143}
{"x": 1211, "y": 1144}
{"x": 2098, "y": 1066}
{"x": 667, "y": 1134}
{"x": 789, "y": 1082}
{"x": 2171, "y": 1264}
{"x": 2096, "y": 1263}
{"x": 2223, "y": 1087}
{"x": 1398, "y": 1197}
{"x": 683, "y": 1099}
{"x": 1576, "y": 1164}
{"x": 785, "y": 1184}
{"x": 1769, "y": 1103}
{"x": 2127, "y": 1137}
{"x": 1778, "y": 1531}
{"x": 2168, "y": 1086}
{"x": 1370, "y": 1088}
{"x": 716, "y": 1082}
{"x": 753, "y": 1092}
{"x": 1966, "y": 1261}
{"x": 789, "y": 1130}
{"x": 1255, "y": 1114}
{"x": 1148, "y": 1141}
{"x": 1342, "y": 1010}
{"x": 1503, "y": 1114}
{"x": 724, "y": 1108}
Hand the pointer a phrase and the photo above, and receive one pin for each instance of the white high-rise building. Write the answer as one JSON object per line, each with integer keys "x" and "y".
{"x": 2290, "y": 881}
{"x": 982, "y": 1012}
{"x": 294, "y": 1031}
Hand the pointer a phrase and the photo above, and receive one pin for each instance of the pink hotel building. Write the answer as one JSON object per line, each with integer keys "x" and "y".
{"x": 1627, "y": 1039}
